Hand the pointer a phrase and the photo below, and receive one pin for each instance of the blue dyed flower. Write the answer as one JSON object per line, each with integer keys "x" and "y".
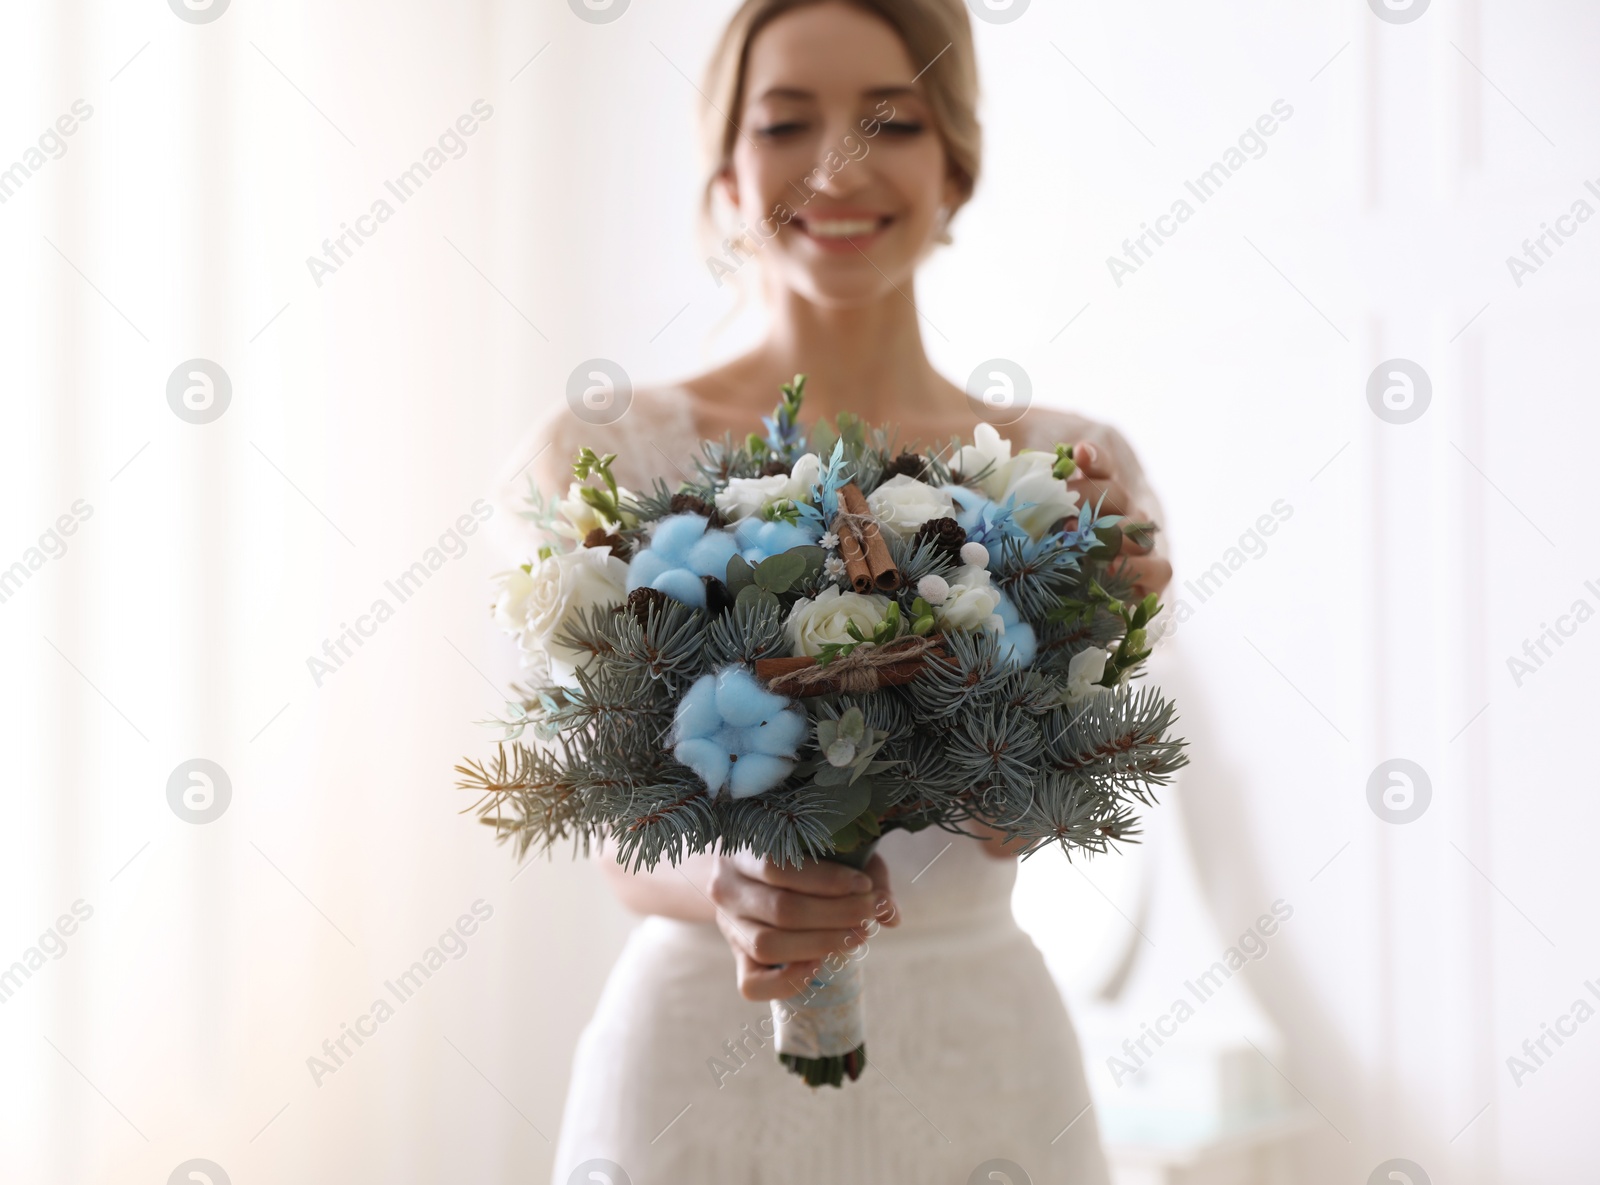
{"x": 733, "y": 732}
{"x": 758, "y": 540}
{"x": 1018, "y": 642}
{"x": 984, "y": 520}
{"x": 681, "y": 551}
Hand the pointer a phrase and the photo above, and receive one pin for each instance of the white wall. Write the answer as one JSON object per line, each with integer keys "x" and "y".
{"x": 373, "y": 410}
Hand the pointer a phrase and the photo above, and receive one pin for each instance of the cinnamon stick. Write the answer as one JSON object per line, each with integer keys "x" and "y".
{"x": 864, "y": 670}
{"x": 768, "y": 669}
{"x": 884, "y": 576}
{"x": 852, "y": 552}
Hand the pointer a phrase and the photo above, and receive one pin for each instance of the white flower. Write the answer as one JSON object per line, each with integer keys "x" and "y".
{"x": 902, "y": 504}
{"x": 990, "y": 451}
{"x": 975, "y": 555}
{"x": 1026, "y": 478}
{"x": 833, "y": 567}
{"x": 933, "y": 589}
{"x": 828, "y": 541}
{"x": 583, "y": 518}
{"x": 745, "y": 496}
{"x": 816, "y": 622}
{"x": 536, "y": 606}
{"x": 971, "y": 601}
{"x": 1083, "y": 673}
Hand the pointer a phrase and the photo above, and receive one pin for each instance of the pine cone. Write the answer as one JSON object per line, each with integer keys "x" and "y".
{"x": 945, "y": 534}
{"x": 689, "y": 504}
{"x": 774, "y": 469}
{"x": 641, "y": 601}
{"x": 599, "y": 537}
{"x": 907, "y": 464}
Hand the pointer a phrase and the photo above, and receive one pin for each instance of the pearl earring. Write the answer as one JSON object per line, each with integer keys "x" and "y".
{"x": 943, "y": 233}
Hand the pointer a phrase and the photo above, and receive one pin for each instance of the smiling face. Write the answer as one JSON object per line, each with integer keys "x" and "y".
{"x": 839, "y": 152}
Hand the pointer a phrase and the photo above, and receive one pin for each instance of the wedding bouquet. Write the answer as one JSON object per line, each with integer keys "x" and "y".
{"x": 816, "y": 641}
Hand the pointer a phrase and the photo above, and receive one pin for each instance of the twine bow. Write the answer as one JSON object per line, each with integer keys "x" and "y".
{"x": 866, "y": 668}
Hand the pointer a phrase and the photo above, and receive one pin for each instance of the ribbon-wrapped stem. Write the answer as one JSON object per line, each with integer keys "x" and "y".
{"x": 820, "y": 1034}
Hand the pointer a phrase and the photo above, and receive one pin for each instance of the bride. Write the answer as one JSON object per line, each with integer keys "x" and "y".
{"x": 844, "y": 133}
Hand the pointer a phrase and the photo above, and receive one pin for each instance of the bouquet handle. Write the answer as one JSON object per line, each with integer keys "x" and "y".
{"x": 820, "y": 1033}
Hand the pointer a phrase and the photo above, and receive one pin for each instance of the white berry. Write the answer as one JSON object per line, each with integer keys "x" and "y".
{"x": 933, "y": 589}
{"x": 975, "y": 555}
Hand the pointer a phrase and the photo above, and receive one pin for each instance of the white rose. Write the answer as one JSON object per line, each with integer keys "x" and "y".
{"x": 971, "y": 602}
{"x": 537, "y": 606}
{"x": 745, "y": 496}
{"x": 825, "y": 619}
{"x": 1084, "y": 672}
{"x": 583, "y": 518}
{"x": 1026, "y": 477}
{"x": 902, "y": 504}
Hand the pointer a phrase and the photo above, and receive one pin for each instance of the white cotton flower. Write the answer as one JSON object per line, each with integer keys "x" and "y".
{"x": 970, "y": 602}
{"x": 825, "y": 619}
{"x": 1084, "y": 672}
{"x": 933, "y": 588}
{"x": 581, "y": 518}
{"x": 746, "y": 496}
{"x": 536, "y": 606}
{"x": 975, "y": 555}
{"x": 902, "y": 504}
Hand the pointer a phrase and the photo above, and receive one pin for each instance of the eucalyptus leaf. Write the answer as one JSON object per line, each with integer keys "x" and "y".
{"x": 845, "y": 803}
{"x": 834, "y": 775}
{"x": 778, "y": 573}
{"x": 750, "y": 594}
{"x": 739, "y": 575}
{"x": 814, "y": 558}
{"x": 845, "y": 839}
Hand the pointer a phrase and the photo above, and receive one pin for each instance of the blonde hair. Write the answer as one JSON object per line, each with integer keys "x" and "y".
{"x": 938, "y": 35}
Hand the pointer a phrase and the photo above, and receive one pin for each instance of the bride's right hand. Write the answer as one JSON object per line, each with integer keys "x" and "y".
{"x": 782, "y": 922}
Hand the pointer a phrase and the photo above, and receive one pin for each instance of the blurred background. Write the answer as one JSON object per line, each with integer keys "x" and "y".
{"x": 218, "y": 454}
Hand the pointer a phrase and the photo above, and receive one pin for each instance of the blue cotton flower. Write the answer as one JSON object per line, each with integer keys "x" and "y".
{"x": 1018, "y": 644}
{"x": 681, "y": 551}
{"x": 733, "y": 732}
{"x": 758, "y": 540}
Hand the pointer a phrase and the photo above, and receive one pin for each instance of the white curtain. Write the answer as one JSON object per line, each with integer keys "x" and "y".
{"x": 375, "y": 394}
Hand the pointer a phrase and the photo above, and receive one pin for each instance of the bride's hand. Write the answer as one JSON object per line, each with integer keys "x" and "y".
{"x": 782, "y": 922}
{"x": 1096, "y": 478}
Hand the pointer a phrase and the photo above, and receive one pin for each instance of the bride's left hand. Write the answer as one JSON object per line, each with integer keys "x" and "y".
{"x": 1097, "y": 484}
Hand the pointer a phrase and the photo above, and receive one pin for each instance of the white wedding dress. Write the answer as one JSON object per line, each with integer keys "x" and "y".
{"x": 972, "y": 1061}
